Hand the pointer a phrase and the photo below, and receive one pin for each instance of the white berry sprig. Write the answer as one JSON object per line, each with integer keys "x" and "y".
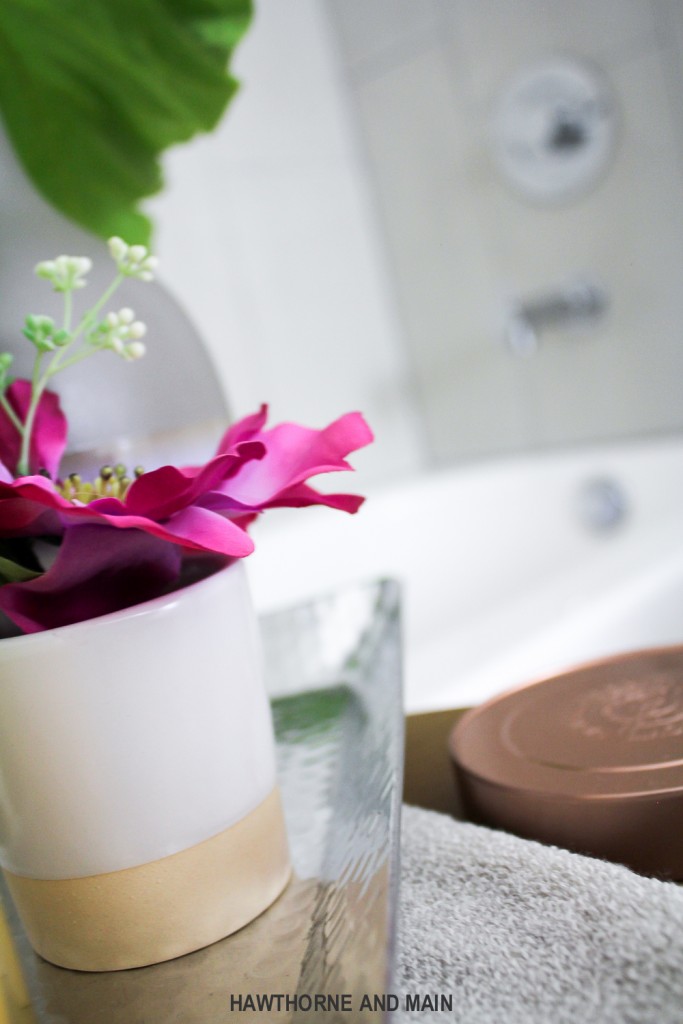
{"x": 133, "y": 260}
{"x": 67, "y": 273}
{"x": 63, "y": 346}
{"x": 121, "y": 333}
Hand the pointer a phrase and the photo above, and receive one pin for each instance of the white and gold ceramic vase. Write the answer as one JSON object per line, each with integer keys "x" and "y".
{"x": 139, "y": 812}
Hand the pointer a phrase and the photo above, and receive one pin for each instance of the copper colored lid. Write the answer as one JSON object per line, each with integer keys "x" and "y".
{"x": 591, "y": 759}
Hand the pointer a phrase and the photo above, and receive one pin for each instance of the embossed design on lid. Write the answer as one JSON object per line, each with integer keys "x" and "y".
{"x": 635, "y": 710}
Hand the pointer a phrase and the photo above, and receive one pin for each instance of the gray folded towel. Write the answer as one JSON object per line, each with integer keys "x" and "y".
{"x": 520, "y": 933}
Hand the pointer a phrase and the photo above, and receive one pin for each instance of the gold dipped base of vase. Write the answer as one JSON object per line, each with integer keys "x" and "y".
{"x": 160, "y": 910}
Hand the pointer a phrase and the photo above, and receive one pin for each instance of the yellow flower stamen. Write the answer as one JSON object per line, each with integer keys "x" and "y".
{"x": 111, "y": 482}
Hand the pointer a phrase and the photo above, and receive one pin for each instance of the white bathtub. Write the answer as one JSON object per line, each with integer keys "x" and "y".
{"x": 503, "y": 580}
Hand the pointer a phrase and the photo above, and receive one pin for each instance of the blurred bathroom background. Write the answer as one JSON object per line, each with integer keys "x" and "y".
{"x": 463, "y": 217}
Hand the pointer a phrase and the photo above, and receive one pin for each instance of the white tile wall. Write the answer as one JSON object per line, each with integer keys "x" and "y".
{"x": 378, "y": 33}
{"x": 494, "y": 37}
{"x": 439, "y": 255}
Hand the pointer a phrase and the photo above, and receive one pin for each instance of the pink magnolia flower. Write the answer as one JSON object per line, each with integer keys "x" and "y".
{"x": 118, "y": 550}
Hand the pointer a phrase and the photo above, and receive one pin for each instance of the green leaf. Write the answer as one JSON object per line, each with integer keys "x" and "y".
{"x": 12, "y": 572}
{"x": 92, "y": 93}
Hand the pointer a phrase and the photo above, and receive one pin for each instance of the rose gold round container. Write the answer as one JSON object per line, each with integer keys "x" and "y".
{"x": 591, "y": 760}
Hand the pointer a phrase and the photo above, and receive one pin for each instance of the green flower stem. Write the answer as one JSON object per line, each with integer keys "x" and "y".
{"x": 56, "y": 364}
{"x": 4, "y": 402}
{"x": 39, "y": 385}
{"x": 92, "y": 313}
{"x": 77, "y": 357}
{"x": 67, "y": 310}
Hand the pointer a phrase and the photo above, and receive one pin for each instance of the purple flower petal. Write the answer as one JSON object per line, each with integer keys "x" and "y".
{"x": 97, "y": 570}
{"x": 199, "y": 528}
{"x": 164, "y": 491}
{"x": 28, "y": 507}
{"x": 301, "y": 496}
{"x": 293, "y": 454}
{"x": 244, "y": 430}
{"x": 192, "y": 527}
